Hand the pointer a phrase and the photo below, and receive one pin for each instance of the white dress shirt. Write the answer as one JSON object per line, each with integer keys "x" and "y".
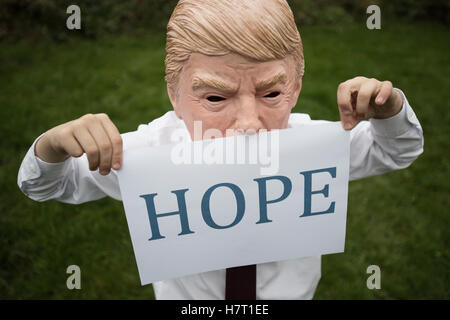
{"x": 376, "y": 147}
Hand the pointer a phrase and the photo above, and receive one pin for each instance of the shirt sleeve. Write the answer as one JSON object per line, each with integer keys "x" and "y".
{"x": 70, "y": 181}
{"x": 381, "y": 145}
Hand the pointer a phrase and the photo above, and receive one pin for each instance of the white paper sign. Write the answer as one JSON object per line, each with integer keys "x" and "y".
{"x": 191, "y": 218}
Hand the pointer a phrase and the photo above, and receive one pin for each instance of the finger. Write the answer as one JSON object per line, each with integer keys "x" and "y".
{"x": 116, "y": 141}
{"x": 367, "y": 90}
{"x": 70, "y": 144}
{"x": 104, "y": 145}
{"x": 385, "y": 93}
{"x": 88, "y": 144}
{"x": 345, "y": 105}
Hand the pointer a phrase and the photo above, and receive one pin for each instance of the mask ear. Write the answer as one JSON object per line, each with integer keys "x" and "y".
{"x": 173, "y": 100}
{"x": 297, "y": 89}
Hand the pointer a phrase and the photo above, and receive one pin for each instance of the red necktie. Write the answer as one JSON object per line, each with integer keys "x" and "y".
{"x": 241, "y": 283}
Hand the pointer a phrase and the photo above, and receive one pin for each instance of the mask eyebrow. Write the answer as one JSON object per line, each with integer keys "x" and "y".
{"x": 199, "y": 83}
{"x": 269, "y": 83}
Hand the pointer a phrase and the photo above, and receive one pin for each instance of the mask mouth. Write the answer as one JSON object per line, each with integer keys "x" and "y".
{"x": 242, "y": 132}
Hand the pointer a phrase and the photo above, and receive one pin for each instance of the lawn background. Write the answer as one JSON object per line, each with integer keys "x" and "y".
{"x": 398, "y": 221}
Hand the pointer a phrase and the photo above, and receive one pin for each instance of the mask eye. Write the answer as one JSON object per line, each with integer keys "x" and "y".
{"x": 273, "y": 94}
{"x": 215, "y": 98}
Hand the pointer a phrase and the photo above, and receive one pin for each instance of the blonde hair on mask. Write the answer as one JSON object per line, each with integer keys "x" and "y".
{"x": 259, "y": 30}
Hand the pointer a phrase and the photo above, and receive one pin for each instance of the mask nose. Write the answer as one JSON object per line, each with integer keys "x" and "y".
{"x": 247, "y": 118}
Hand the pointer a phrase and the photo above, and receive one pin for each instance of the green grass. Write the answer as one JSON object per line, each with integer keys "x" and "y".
{"x": 399, "y": 221}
